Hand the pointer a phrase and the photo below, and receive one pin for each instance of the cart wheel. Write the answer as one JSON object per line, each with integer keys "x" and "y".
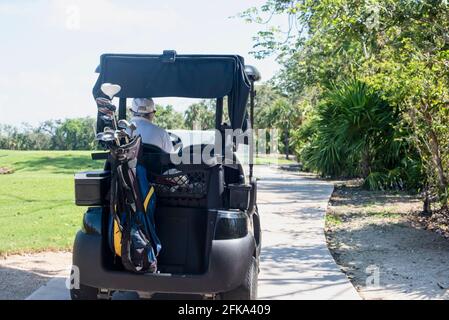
{"x": 248, "y": 289}
{"x": 84, "y": 293}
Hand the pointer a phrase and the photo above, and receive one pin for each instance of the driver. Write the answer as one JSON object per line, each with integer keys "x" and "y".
{"x": 143, "y": 111}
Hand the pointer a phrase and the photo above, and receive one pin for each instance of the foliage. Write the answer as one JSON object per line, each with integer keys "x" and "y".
{"x": 399, "y": 48}
{"x": 69, "y": 134}
{"x": 200, "y": 116}
{"x": 168, "y": 118}
{"x": 274, "y": 111}
{"x": 352, "y": 133}
{"x": 79, "y": 133}
{"x": 72, "y": 134}
{"x": 14, "y": 139}
{"x": 266, "y": 95}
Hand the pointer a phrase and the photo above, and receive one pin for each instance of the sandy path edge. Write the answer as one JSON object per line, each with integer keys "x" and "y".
{"x": 21, "y": 275}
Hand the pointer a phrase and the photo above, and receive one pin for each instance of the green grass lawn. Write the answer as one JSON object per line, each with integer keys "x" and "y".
{"x": 37, "y": 209}
{"x": 272, "y": 159}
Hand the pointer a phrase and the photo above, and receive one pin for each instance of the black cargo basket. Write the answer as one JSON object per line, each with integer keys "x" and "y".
{"x": 182, "y": 188}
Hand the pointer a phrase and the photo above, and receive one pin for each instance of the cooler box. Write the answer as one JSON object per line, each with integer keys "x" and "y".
{"x": 91, "y": 188}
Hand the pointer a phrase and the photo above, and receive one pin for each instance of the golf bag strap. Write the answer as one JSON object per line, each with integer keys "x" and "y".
{"x": 128, "y": 209}
{"x": 114, "y": 201}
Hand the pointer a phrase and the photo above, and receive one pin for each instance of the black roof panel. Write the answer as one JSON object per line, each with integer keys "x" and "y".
{"x": 189, "y": 76}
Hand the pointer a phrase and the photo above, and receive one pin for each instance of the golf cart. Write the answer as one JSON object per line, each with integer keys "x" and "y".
{"x": 209, "y": 227}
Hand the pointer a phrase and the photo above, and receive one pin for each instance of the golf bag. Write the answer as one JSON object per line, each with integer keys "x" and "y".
{"x": 132, "y": 233}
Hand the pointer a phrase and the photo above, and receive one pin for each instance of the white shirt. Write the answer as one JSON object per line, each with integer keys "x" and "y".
{"x": 152, "y": 134}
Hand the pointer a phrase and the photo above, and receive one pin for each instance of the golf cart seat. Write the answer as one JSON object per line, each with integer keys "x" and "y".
{"x": 155, "y": 159}
{"x": 185, "y": 184}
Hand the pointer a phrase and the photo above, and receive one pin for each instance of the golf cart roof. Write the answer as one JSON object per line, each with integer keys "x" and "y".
{"x": 172, "y": 75}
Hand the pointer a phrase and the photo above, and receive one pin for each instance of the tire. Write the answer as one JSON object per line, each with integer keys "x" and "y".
{"x": 84, "y": 293}
{"x": 248, "y": 289}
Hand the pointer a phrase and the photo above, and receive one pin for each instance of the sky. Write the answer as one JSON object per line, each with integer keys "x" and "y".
{"x": 49, "y": 49}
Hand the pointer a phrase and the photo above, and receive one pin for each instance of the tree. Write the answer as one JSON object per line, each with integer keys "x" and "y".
{"x": 272, "y": 110}
{"x": 25, "y": 138}
{"x": 74, "y": 134}
{"x": 264, "y": 102}
{"x": 200, "y": 116}
{"x": 69, "y": 134}
{"x": 414, "y": 63}
{"x": 168, "y": 118}
{"x": 399, "y": 48}
{"x": 354, "y": 134}
{"x": 284, "y": 117}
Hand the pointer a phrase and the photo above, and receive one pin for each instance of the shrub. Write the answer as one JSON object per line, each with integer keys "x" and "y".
{"x": 355, "y": 133}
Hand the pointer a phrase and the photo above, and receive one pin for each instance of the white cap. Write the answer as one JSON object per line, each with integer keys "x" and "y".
{"x": 143, "y": 105}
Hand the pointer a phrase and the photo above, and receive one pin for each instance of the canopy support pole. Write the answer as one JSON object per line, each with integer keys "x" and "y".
{"x": 251, "y": 140}
{"x": 122, "y": 109}
{"x": 219, "y": 114}
{"x": 219, "y": 134}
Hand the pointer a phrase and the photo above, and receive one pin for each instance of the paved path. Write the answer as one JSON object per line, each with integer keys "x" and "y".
{"x": 295, "y": 261}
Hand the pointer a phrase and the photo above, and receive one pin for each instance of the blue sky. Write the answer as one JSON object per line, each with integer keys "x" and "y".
{"x": 50, "y": 48}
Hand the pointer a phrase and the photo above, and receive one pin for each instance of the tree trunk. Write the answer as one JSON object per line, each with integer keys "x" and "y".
{"x": 287, "y": 145}
{"x": 436, "y": 156}
{"x": 435, "y": 150}
{"x": 365, "y": 164}
{"x": 427, "y": 208}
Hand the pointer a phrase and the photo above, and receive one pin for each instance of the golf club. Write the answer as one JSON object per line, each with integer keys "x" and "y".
{"x": 132, "y": 127}
{"x": 122, "y": 134}
{"x": 129, "y": 127}
{"x": 123, "y": 124}
{"x": 107, "y": 110}
{"x": 106, "y": 137}
{"x": 122, "y": 129}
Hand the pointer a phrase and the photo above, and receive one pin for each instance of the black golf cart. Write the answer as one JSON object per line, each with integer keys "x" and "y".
{"x": 210, "y": 234}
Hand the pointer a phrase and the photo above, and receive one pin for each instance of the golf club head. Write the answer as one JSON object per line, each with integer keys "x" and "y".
{"x": 132, "y": 126}
{"x": 123, "y": 124}
{"x": 109, "y": 130}
{"x": 105, "y": 106}
{"x": 108, "y": 109}
{"x": 103, "y": 101}
{"x": 122, "y": 134}
{"x": 110, "y": 89}
{"x": 105, "y": 136}
{"x": 99, "y": 136}
{"x": 106, "y": 117}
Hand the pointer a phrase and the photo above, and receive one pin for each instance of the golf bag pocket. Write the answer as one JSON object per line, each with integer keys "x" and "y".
{"x": 139, "y": 238}
{"x": 115, "y": 235}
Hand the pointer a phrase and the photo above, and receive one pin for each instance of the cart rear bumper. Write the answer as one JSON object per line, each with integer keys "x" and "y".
{"x": 228, "y": 263}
